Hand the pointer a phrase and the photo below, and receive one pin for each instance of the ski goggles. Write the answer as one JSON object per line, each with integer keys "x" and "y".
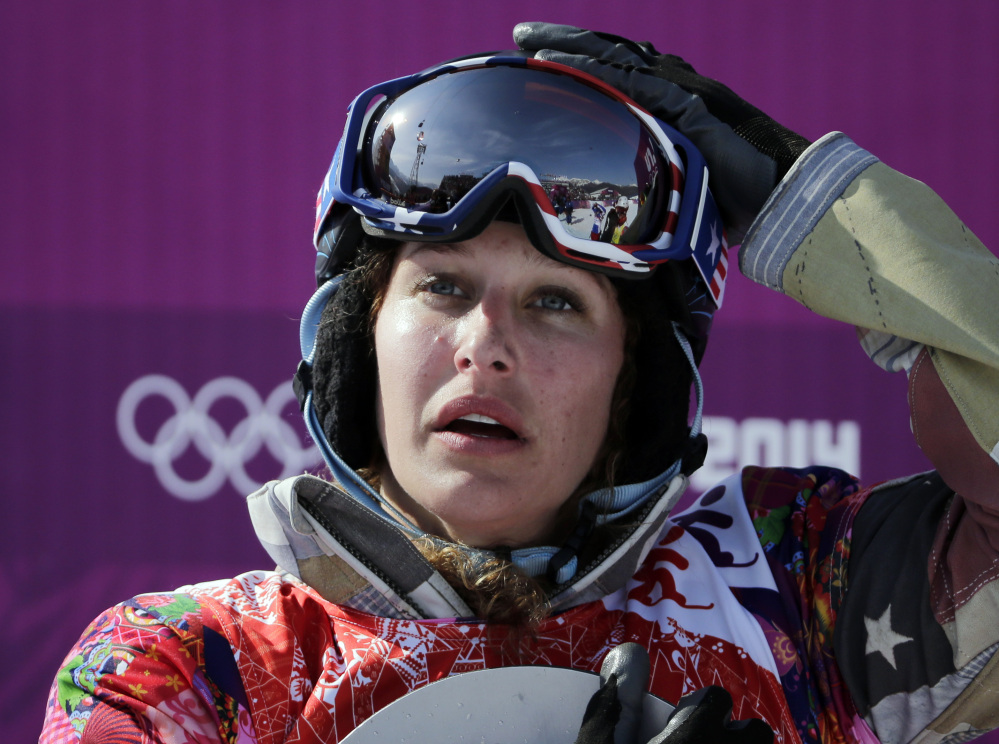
{"x": 607, "y": 186}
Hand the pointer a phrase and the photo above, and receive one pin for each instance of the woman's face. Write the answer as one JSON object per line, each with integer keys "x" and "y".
{"x": 496, "y": 368}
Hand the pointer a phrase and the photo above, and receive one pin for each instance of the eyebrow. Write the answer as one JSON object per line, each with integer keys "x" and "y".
{"x": 537, "y": 258}
{"x": 438, "y": 247}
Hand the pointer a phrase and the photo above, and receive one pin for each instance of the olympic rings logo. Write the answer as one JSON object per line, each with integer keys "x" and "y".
{"x": 192, "y": 424}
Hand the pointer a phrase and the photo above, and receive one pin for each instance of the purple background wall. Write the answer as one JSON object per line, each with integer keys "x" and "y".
{"x": 158, "y": 171}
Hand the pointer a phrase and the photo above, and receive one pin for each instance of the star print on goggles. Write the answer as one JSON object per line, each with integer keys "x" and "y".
{"x": 599, "y": 183}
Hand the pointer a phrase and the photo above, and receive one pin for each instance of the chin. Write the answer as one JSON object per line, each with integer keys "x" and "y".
{"x": 482, "y": 524}
{"x": 482, "y": 510}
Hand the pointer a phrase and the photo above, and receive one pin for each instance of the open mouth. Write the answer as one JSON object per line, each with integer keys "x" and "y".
{"x": 476, "y": 425}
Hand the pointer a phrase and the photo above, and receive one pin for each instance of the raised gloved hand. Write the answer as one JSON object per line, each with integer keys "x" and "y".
{"x": 614, "y": 713}
{"x": 747, "y": 152}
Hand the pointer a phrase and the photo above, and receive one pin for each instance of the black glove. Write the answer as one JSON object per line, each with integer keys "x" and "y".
{"x": 747, "y": 152}
{"x": 614, "y": 713}
{"x": 705, "y": 716}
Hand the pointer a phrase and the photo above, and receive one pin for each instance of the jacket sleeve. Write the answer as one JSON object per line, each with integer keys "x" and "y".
{"x": 138, "y": 675}
{"x": 853, "y": 240}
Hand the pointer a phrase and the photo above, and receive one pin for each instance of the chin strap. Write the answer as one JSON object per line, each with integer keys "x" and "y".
{"x": 697, "y": 444}
{"x": 694, "y": 454}
{"x": 574, "y": 545}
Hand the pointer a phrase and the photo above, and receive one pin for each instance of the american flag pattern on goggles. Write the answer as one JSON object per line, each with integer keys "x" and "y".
{"x": 609, "y": 187}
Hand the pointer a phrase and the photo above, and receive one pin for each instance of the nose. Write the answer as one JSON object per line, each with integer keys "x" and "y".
{"x": 485, "y": 343}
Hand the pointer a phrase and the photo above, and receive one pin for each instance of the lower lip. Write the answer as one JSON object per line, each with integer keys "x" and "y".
{"x": 481, "y": 446}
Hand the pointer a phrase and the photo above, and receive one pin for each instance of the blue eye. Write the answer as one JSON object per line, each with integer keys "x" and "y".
{"x": 558, "y": 300}
{"x": 555, "y": 302}
{"x": 443, "y": 287}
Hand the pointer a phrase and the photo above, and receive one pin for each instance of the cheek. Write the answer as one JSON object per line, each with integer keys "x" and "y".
{"x": 407, "y": 353}
{"x": 579, "y": 388}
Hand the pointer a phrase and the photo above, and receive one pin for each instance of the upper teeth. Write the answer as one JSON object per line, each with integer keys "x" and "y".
{"x": 480, "y": 419}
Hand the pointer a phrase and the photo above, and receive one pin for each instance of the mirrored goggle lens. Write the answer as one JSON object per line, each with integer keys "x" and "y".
{"x": 603, "y": 171}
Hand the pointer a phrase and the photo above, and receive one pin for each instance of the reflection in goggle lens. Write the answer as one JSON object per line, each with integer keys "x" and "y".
{"x": 603, "y": 171}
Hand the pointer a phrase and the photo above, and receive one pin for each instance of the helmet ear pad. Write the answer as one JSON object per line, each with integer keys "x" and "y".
{"x": 656, "y": 427}
{"x": 345, "y": 375}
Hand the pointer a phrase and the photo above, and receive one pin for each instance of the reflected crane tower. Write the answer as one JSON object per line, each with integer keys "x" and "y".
{"x": 421, "y": 148}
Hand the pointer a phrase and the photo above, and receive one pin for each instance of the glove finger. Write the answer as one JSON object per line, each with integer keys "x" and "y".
{"x": 573, "y": 40}
{"x": 709, "y": 703}
{"x": 742, "y": 177}
{"x": 752, "y": 731}
{"x": 705, "y": 715}
{"x": 629, "y": 665}
{"x": 601, "y": 716}
{"x": 663, "y": 98}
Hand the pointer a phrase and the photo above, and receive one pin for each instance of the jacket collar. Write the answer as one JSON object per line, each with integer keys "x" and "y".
{"x": 360, "y": 558}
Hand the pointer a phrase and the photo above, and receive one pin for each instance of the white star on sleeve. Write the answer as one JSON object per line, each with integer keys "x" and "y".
{"x": 881, "y": 638}
{"x": 715, "y": 243}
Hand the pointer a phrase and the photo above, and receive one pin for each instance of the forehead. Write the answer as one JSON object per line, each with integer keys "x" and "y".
{"x": 507, "y": 239}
